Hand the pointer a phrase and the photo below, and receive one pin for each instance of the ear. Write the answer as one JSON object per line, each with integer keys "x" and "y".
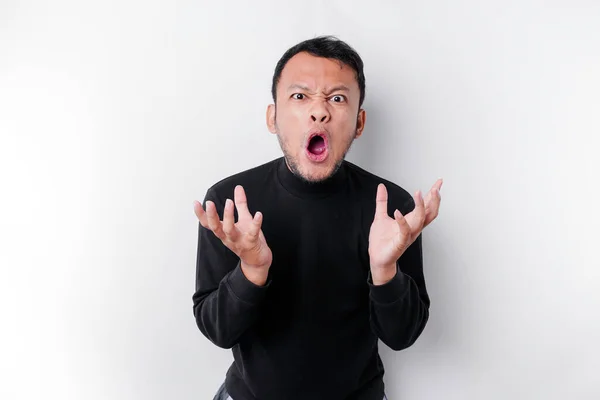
{"x": 360, "y": 122}
{"x": 271, "y": 111}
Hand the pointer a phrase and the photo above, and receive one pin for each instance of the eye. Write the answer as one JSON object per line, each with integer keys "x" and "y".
{"x": 298, "y": 96}
{"x": 338, "y": 98}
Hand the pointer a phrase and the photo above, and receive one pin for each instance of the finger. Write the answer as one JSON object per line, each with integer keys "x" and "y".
{"x": 416, "y": 218}
{"x": 229, "y": 221}
{"x": 241, "y": 203}
{"x": 402, "y": 224}
{"x": 200, "y": 214}
{"x": 432, "y": 206}
{"x": 254, "y": 230}
{"x": 434, "y": 193}
{"x": 429, "y": 197}
{"x": 381, "y": 202}
{"x": 213, "y": 220}
{"x": 419, "y": 207}
{"x": 432, "y": 213}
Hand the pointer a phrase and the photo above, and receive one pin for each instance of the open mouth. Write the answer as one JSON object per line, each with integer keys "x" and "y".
{"x": 317, "y": 147}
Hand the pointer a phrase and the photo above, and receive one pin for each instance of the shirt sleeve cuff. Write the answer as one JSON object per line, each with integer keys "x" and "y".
{"x": 391, "y": 291}
{"x": 243, "y": 289}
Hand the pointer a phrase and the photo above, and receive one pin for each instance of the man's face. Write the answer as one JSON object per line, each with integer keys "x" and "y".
{"x": 316, "y": 117}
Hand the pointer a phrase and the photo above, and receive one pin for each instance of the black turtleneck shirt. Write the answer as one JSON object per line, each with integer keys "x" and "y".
{"x": 312, "y": 331}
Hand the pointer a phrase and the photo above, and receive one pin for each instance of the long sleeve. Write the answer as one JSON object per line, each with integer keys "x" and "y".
{"x": 399, "y": 309}
{"x": 226, "y": 303}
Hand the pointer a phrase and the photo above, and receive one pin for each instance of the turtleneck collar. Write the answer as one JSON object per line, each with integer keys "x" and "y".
{"x": 300, "y": 188}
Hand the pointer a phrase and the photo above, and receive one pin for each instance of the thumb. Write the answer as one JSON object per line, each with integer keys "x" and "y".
{"x": 381, "y": 202}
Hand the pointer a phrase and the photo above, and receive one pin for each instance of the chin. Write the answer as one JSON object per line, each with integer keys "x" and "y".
{"x": 316, "y": 176}
{"x": 313, "y": 172}
{"x": 308, "y": 170}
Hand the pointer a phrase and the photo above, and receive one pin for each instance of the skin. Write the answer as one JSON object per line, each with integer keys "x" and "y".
{"x": 315, "y": 93}
{"x": 389, "y": 237}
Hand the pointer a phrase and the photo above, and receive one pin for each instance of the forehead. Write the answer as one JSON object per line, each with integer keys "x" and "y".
{"x": 317, "y": 72}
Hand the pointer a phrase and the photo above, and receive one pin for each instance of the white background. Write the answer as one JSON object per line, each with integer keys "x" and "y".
{"x": 116, "y": 115}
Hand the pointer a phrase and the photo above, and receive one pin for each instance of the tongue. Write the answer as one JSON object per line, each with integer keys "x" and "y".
{"x": 317, "y": 145}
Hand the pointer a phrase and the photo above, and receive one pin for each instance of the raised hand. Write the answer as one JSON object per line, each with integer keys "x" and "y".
{"x": 245, "y": 237}
{"x": 390, "y": 237}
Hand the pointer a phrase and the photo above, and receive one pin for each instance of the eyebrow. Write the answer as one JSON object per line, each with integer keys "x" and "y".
{"x": 336, "y": 88}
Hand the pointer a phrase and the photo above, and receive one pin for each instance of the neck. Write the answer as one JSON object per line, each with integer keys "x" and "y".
{"x": 296, "y": 184}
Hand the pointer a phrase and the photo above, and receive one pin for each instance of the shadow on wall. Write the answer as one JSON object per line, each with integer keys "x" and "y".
{"x": 380, "y": 147}
{"x": 366, "y": 149}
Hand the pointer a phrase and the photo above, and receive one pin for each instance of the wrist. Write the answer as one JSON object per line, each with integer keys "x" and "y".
{"x": 256, "y": 275}
{"x": 382, "y": 275}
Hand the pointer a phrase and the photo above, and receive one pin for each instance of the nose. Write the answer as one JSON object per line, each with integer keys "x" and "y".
{"x": 320, "y": 114}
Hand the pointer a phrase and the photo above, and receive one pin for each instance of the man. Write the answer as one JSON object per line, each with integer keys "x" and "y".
{"x": 303, "y": 292}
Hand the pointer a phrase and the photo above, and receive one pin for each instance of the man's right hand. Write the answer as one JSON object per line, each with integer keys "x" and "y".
{"x": 244, "y": 238}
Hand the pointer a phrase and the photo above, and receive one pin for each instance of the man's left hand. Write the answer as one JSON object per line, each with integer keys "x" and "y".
{"x": 390, "y": 237}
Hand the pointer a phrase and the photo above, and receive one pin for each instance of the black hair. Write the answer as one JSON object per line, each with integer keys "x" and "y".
{"x": 326, "y": 47}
